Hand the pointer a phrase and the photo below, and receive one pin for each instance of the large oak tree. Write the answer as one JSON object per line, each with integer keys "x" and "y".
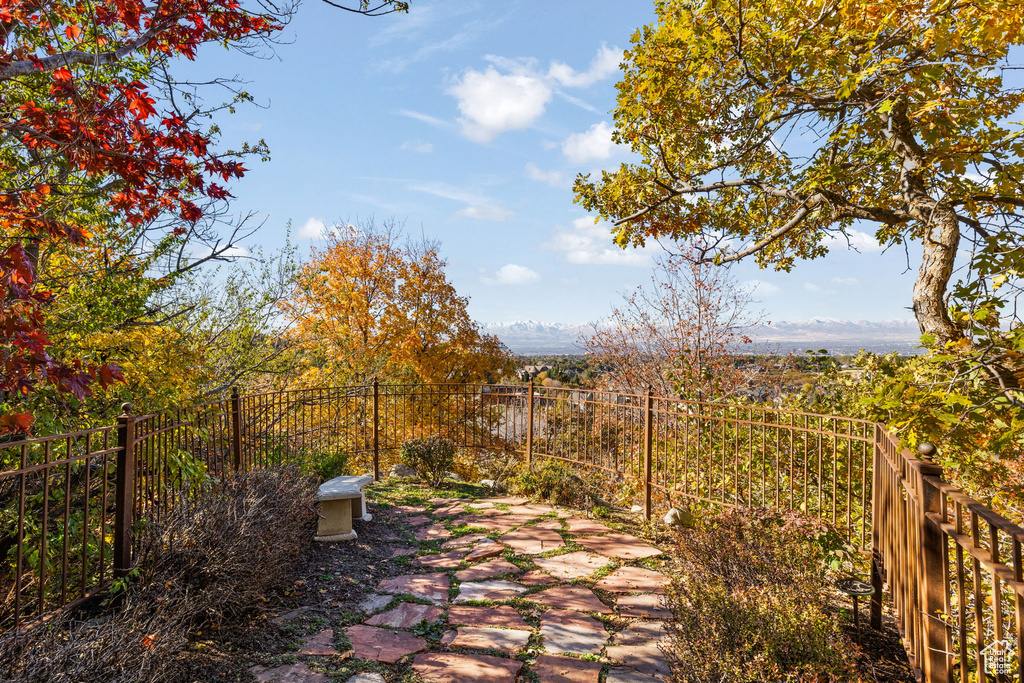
{"x": 777, "y": 126}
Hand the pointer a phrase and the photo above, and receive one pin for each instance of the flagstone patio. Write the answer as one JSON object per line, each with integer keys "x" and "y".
{"x": 550, "y": 596}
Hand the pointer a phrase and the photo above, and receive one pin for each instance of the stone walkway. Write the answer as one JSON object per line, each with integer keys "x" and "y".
{"x": 504, "y": 589}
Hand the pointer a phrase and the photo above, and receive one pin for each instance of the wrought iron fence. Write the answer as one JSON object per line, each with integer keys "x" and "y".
{"x": 70, "y": 504}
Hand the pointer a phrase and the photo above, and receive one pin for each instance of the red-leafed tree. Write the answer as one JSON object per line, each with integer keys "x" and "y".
{"x": 95, "y": 133}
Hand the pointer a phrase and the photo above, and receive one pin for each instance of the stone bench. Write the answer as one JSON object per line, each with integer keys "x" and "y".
{"x": 341, "y": 500}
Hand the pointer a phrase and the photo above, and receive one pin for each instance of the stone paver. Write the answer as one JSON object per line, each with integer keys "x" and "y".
{"x": 570, "y": 597}
{"x": 462, "y": 541}
{"x": 374, "y": 602}
{"x": 487, "y": 570}
{"x": 291, "y": 673}
{"x": 488, "y": 590}
{"x": 623, "y": 674}
{"x": 476, "y": 638}
{"x": 497, "y": 522}
{"x": 535, "y": 578}
{"x": 579, "y": 526}
{"x": 409, "y": 509}
{"x": 484, "y": 549}
{"x": 568, "y": 632}
{"x": 449, "y": 667}
{"x": 448, "y": 560}
{"x": 450, "y": 511}
{"x": 433, "y": 587}
{"x": 381, "y": 644}
{"x": 555, "y": 669}
{"x": 631, "y": 579}
{"x": 482, "y": 506}
{"x": 552, "y": 523}
{"x": 643, "y": 606}
{"x": 572, "y": 565}
{"x": 531, "y": 509}
{"x": 367, "y": 678}
{"x": 533, "y": 541}
{"x": 622, "y": 546}
{"x": 509, "y": 500}
{"x": 321, "y": 643}
{"x": 433, "y": 532}
{"x": 406, "y": 615}
{"x": 637, "y": 648}
{"x": 500, "y": 616}
{"x": 402, "y": 550}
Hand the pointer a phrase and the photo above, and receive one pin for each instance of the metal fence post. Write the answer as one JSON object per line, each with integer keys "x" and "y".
{"x": 236, "y": 428}
{"x": 376, "y": 431}
{"x": 933, "y": 571}
{"x": 124, "y": 492}
{"x": 529, "y": 425}
{"x": 876, "y": 521}
{"x": 648, "y": 438}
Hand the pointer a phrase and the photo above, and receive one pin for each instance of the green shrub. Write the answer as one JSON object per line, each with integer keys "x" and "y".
{"x": 432, "y": 458}
{"x": 552, "y": 481}
{"x": 751, "y": 603}
{"x": 326, "y": 464}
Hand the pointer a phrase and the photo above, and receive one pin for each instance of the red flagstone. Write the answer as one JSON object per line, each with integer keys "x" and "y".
{"x": 406, "y": 615}
{"x": 568, "y": 632}
{"x": 433, "y": 532}
{"x": 531, "y": 541}
{"x": 633, "y": 579}
{"x": 468, "y": 539}
{"x": 643, "y": 606}
{"x": 450, "y": 667}
{"x": 448, "y": 501}
{"x": 497, "y": 522}
{"x": 449, "y": 511}
{"x": 320, "y": 644}
{"x": 381, "y": 644}
{"x": 488, "y": 590}
{"x": 623, "y": 674}
{"x": 433, "y": 587}
{"x": 535, "y": 578}
{"x": 501, "y": 616}
{"x": 572, "y": 565}
{"x": 484, "y": 505}
{"x": 555, "y": 669}
{"x": 476, "y": 638}
{"x": 579, "y": 526}
{"x": 291, "y": 673}
{"x": 448, "y": 560}
{"x": 552, "y": 523}
{"x": 623, "y": 546}
{"x": 484, "y": 549}
{"x": 535, "y": 510}
{"x": 487, "y": 570}
{"x": 509, "y": 500}
{"x": 409, "y": 509}
{"x": 637, "y": 647}
{"x": 570, "y": 597}
{"x": 398, "y": 552}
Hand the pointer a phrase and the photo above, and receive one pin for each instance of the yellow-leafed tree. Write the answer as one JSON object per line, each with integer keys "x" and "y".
{"x": 373, "y": 305}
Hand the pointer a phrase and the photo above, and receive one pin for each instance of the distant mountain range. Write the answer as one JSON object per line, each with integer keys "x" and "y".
{"x": 531, "y": 337}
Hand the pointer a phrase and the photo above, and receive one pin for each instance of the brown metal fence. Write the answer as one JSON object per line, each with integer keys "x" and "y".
{"x": 69, "y": 504}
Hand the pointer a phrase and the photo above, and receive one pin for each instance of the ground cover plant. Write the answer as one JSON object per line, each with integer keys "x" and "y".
{"x": 204, "y": 566}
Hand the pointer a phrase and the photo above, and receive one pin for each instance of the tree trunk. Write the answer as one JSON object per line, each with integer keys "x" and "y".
{"x": 941, "y": 239}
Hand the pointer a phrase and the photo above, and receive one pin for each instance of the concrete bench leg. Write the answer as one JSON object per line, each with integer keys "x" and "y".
{"x": 361, "y": 512}
{"x": 335, "y": 523}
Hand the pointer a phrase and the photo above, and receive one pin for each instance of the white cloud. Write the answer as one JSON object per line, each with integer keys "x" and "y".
{"x": 477, "y": 206}
{"x": 593, "y": 145}
{"x": 312, "y": 229}
{"x": 510, "y": 274}
{"x": 855, "y": 240}
{"x": 425, "y": 118}
{"x": 552, "y": 178}
{"x": 487, "y": 212}
{"x": 818, "y": 289}
{"x": 604, "y": 64}
{"x": 589, "y": 243}
{"x": 492, "y": 103}
{"x": 760, "y": 287}
{"x": 418, "y": 146}
{"x": 846, "y": 281}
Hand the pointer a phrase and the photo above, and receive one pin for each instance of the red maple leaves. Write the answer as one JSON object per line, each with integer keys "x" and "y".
{"x": 72, "y": 88}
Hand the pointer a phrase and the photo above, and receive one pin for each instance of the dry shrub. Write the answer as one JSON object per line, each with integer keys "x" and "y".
{"x": 204, "y": 565}
{"x": 751, "y": 602}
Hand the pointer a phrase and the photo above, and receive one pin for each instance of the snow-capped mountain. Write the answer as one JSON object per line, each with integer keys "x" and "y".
{"x": 839, "y": 336}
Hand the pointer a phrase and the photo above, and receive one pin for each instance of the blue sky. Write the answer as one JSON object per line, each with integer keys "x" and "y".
{"x": 468, "y": 120}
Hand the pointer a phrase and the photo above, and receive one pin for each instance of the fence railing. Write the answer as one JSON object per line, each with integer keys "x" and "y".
{"x": 71, "y": 505}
